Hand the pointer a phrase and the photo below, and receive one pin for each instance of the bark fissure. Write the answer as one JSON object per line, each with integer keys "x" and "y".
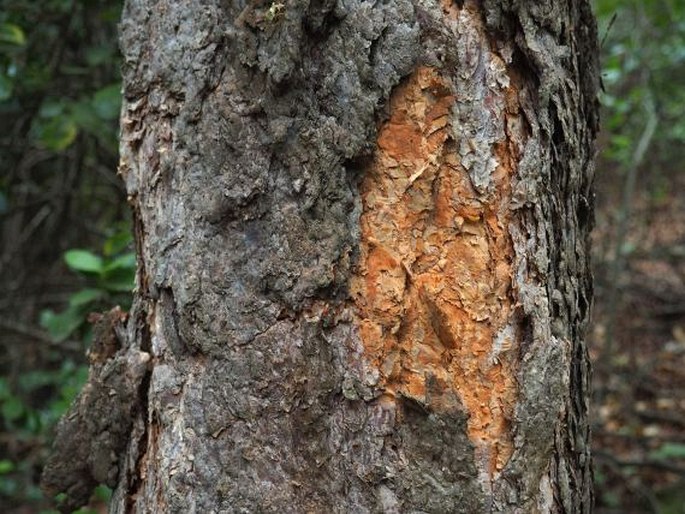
{"x": 136, "y": 473}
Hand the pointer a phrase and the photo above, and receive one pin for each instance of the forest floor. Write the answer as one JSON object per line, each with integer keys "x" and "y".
{"x": 637, "y": 343}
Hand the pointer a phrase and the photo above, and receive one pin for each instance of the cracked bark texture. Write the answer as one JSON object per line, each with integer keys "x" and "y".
{"x": 363, "y": 274}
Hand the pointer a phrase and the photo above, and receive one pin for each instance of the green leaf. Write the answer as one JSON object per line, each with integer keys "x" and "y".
{"x": 32, "y": 423}
{"x": 12, "y": 34}
{"x": 126, "y": 261}
{"x": 83, "y": 260}
{"x": 103, "y": 493}
{"x": 107, "y": 102}
{"x": 84, "y": 114}
{"x": 6, "y": 466}
{"x": 12, "y": 408}
{"x": 119, "y": 282}
{"x": 57, "y": 133}
{"x": 85, "y": 117}
{"x": 85, "y": 296}
{"x": 62, "y": 325}
{"x": 117, "y": 242}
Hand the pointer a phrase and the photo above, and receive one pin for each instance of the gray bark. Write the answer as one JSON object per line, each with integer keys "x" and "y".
{"x": 249, "y": 151}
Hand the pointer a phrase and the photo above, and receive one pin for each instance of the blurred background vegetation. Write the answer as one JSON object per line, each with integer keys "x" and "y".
{"x": 65, "y": 236}
{"x": 66, "y": 245}
{"x": 637, "y": 339}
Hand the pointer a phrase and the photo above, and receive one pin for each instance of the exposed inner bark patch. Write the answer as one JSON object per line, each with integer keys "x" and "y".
{"x": 433, "y": 289}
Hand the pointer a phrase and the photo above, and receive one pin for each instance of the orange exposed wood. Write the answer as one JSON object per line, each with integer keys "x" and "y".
{"x": 432, "y": 289}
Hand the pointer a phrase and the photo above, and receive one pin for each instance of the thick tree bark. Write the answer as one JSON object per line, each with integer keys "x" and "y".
{"x": 363, "y": 276}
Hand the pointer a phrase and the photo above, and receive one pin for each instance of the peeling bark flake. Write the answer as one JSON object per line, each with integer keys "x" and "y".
{"x": 433, "y": 288}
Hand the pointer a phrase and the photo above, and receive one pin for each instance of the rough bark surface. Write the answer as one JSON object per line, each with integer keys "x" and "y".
{"x": 363, "y": 268}
{"x": 93, "y": 435}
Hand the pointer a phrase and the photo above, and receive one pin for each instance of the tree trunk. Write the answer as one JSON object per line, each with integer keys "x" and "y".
{"x": 363, "y": 278}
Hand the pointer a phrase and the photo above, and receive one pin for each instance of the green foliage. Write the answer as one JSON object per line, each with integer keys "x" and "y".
{"x": 28, "y": 412}
{"x": 60, "y": 120}
{"x": 19, "y": 408}
{"x": 83, "y": 260}
{"x": 107, "y": 275}
{"x": 11, "y": 34}
{"x": 60, "y": 97}
{"x": 643, "y": 69}
{"x": 12, "y": 39}
{"x": 36, "y": 78}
